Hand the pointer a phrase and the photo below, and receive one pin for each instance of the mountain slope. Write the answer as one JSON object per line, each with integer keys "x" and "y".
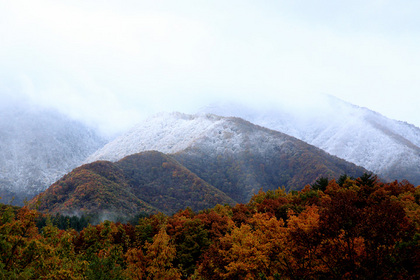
{"x": 233, "y": 155}
{"x": 387, "y": 147}
{"x": 99, "y": 188}
{"x": 146, "y": 182}
{"x": 37, "y": 147}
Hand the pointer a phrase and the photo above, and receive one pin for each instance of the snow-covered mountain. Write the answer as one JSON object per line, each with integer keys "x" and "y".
{"x": 174, "y": 132}
{"x": 165, "y": 132}
{"x": 37, "y": 147}
{"x": 387, "y": 147}
{"x": 233, "y": 155}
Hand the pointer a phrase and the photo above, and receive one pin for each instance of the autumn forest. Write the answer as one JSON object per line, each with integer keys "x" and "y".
{"x": 345, "y": 229}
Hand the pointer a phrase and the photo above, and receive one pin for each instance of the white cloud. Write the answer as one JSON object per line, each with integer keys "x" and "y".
{"x": 113, "y": 62}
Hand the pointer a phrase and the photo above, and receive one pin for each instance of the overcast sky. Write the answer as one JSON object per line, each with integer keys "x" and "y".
{"x": 115, "y": 62}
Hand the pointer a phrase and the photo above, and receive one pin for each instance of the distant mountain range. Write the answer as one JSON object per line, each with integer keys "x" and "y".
{"x": 384, "y": 146}
{"x": 209, "y": 159}
{"x": 226, "y": 150}
{"x": 37, "y": 147}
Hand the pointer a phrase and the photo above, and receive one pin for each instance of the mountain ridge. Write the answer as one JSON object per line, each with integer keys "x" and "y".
{"x": 386, "y": 147}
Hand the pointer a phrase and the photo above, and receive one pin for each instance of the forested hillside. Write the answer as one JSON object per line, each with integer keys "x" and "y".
{"x": 350, "y": 229}
{"x": 152, "y": 181}
{"x": 147, "y": 182}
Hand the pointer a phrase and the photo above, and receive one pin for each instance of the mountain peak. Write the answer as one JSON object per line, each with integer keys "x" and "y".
{"x": 164, "y": 132}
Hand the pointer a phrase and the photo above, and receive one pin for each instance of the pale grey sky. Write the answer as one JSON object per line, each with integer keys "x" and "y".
{"x": 115, "y": 62}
